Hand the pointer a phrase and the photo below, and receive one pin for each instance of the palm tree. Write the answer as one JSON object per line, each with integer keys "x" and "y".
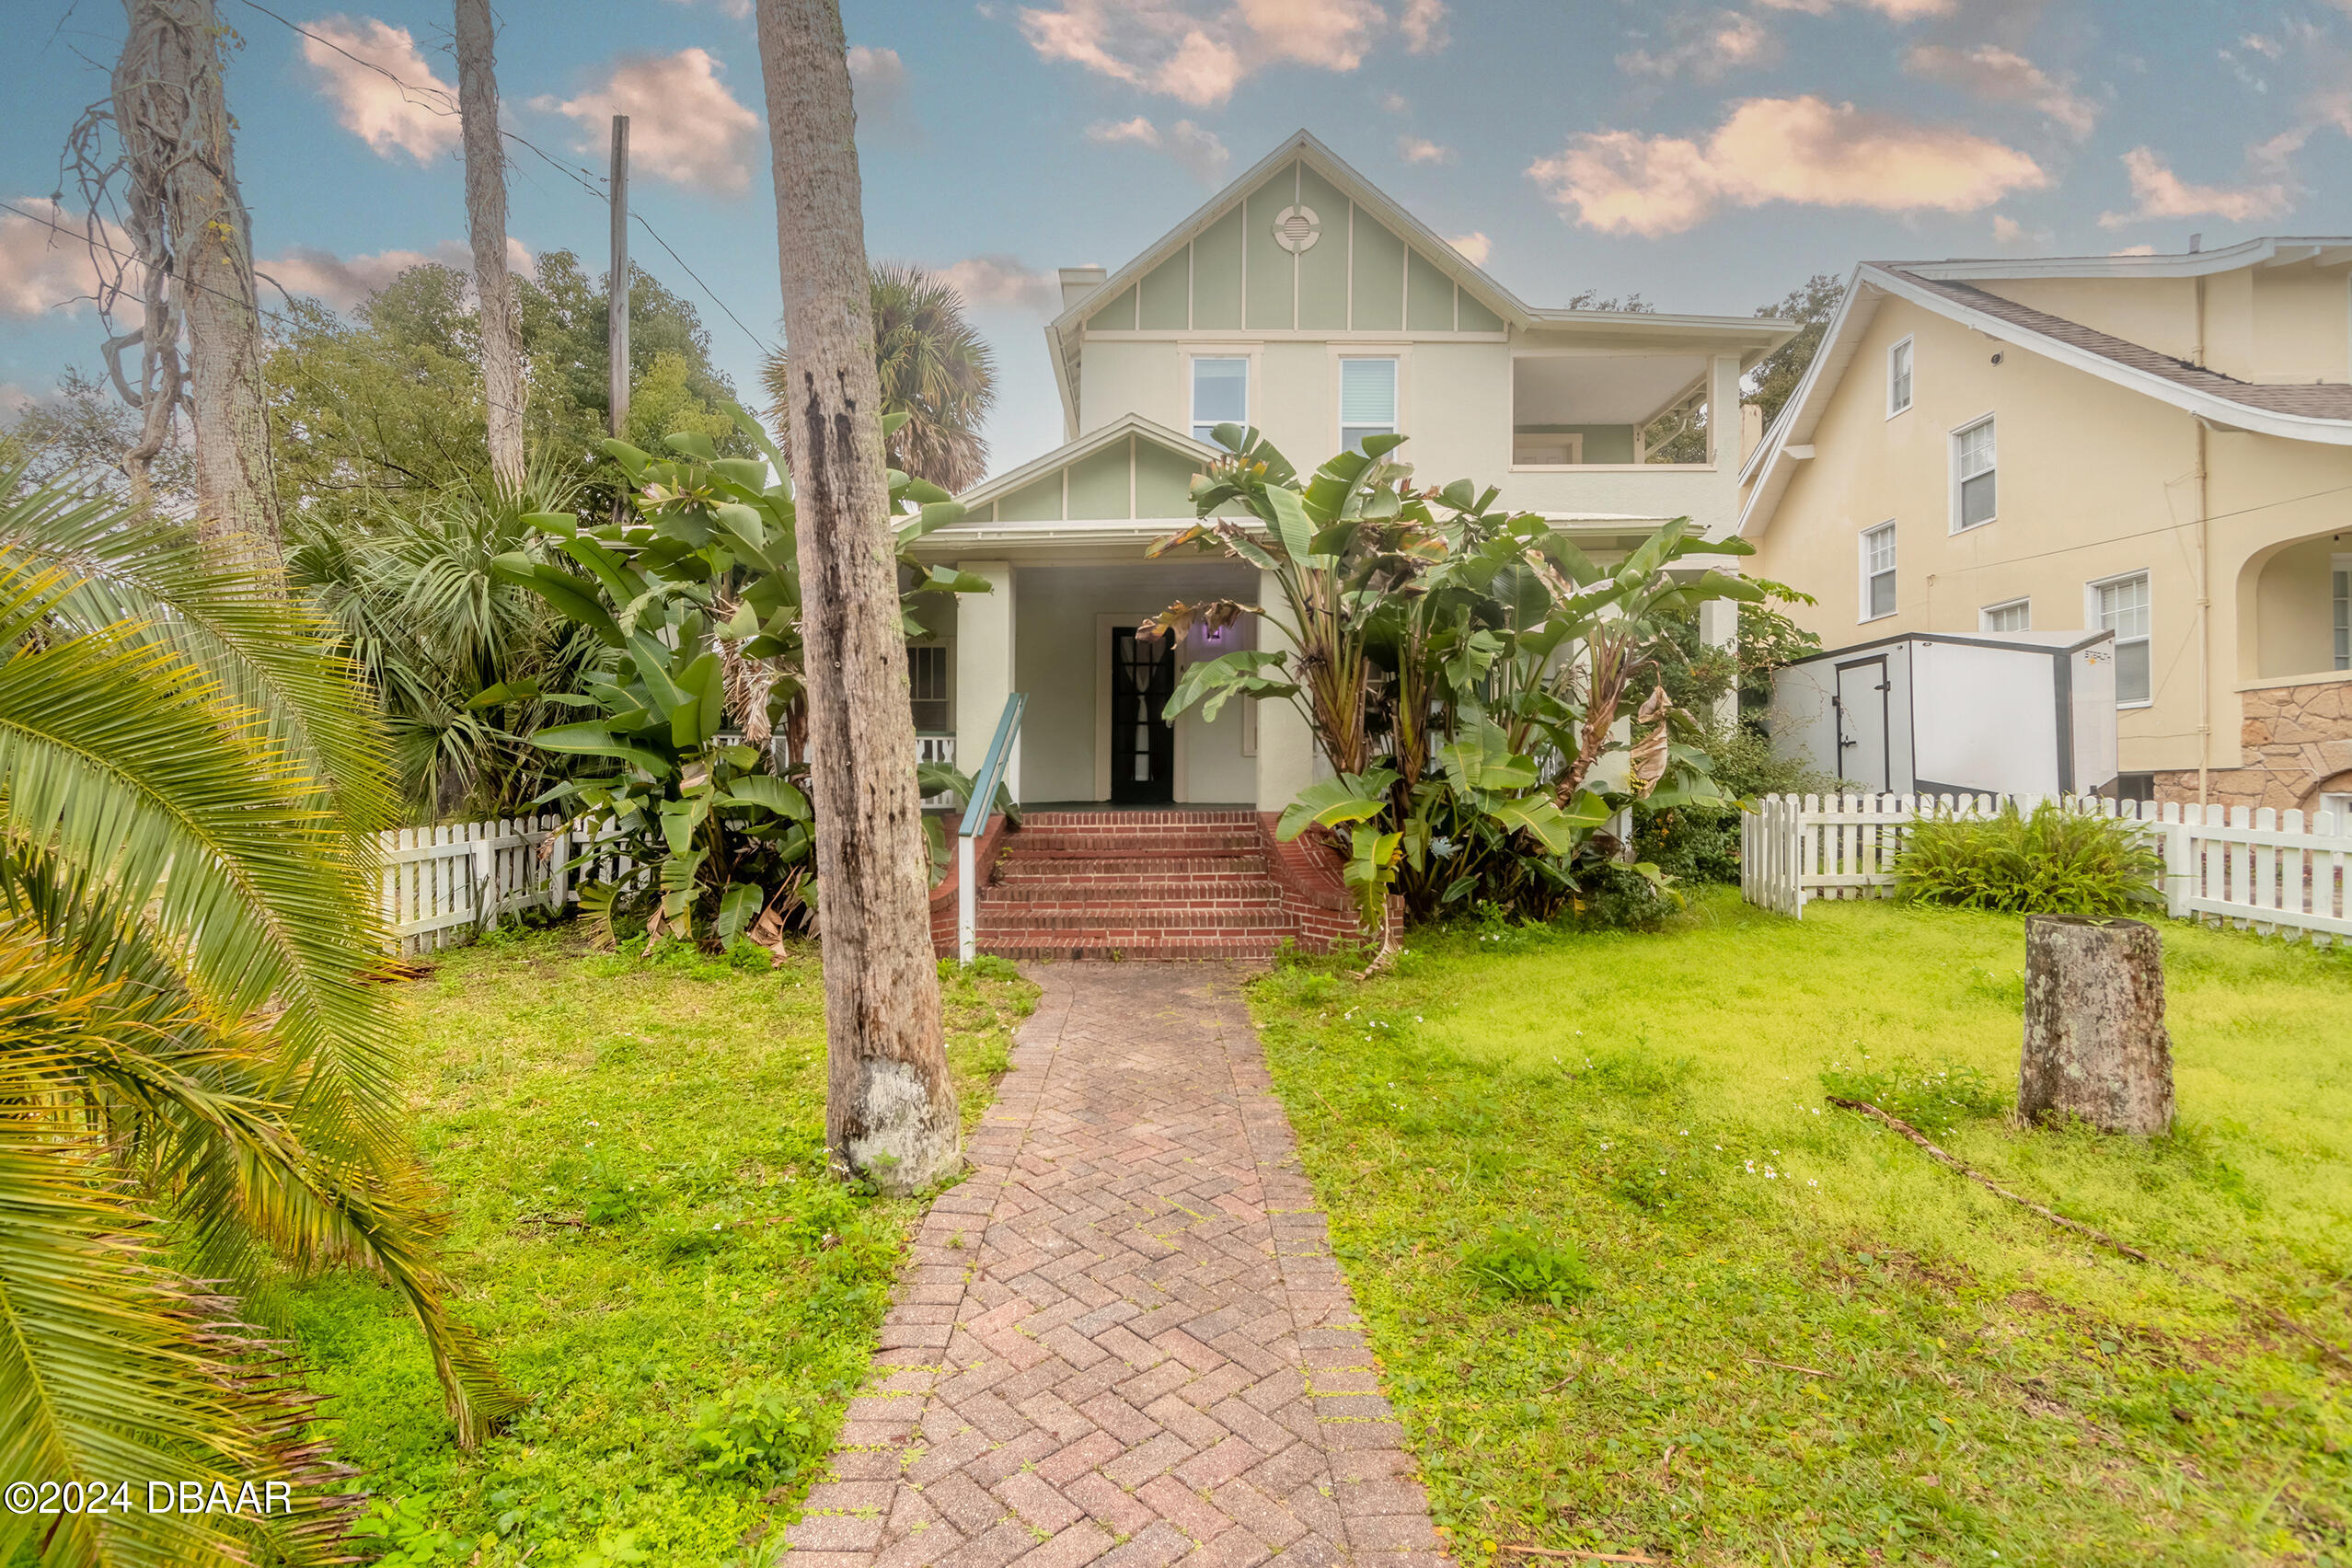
{"x": 197, "y": 1082}
{"x": 935, "y": 367}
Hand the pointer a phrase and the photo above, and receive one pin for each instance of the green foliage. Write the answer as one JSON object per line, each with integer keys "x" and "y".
{"x": 2054, "y": 861}
{"x": 1516, "y": 1260}
{"x": 1462, "y": 670}
{"x": 1852, "y": 1354}
{"x": 760, "y": 1432}
{"x": 739, "y": 1265}
{"x": 1810, "y": 305}
{"x": 1934, "y": 1100}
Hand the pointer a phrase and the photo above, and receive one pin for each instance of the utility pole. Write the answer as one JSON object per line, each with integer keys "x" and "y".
{"x": 616, "y": 334}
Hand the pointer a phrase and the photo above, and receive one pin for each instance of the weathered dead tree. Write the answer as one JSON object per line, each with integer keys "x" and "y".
{"x": 486, "y": 227}
{"x": 2096, "y": 1043}
{"x": 891, "y": 1109}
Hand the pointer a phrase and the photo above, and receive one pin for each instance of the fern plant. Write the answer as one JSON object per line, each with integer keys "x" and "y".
{"x": 2052, "y": 861}
{"x": 199, "y": 1083}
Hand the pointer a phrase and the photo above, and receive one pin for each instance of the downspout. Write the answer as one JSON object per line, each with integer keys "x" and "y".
{"x": 2204, "y": 584}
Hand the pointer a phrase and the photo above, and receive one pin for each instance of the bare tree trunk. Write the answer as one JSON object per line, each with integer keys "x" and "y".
{"x": 173, "y": 117}
{"x": 2095, "y": 1044}
{"x": 486, "y": 225}
{"x": 891, "y": 1111}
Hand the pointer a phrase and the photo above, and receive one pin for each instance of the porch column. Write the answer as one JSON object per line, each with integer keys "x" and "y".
{"x": 983, "y": 668}
{"x": 1286, "y": 746}
{"x": 1719, "y": 627}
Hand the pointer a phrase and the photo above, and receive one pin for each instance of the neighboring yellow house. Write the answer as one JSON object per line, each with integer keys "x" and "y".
{"x": 2157, "y": 445}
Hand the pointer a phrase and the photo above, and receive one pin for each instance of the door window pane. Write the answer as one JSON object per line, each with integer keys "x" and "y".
{"x": 1367, "y": 400}
{"x": 2122, "y": 607}
{"x": 927, "y": 683}
{"x": 1973, "y": 458}
{"x": 1220, "y": 395}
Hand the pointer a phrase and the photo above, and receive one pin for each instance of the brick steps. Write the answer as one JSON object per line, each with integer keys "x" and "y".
{"x": 1171, "y": 884}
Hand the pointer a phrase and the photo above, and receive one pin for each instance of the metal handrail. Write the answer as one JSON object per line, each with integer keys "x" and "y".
{"x": 977, "y": 813}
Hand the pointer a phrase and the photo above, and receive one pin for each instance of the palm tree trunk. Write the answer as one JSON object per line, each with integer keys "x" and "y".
{"x": 891, "y": 1111}
{"x": 486, "y": 225}
{"x": 173, "y": 117}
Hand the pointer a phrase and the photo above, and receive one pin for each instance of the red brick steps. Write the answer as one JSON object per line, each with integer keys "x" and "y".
{"x": 1171, "y": 884}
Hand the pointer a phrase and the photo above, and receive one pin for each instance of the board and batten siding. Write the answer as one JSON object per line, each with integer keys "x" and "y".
{"x": 1130, "y": 479}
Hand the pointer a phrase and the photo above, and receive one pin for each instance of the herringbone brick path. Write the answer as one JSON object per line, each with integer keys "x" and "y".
{"x": 1124, "y": 1341}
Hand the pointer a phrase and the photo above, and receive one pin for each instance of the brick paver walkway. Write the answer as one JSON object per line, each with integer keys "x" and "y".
{"x": 1123, "y": 1340}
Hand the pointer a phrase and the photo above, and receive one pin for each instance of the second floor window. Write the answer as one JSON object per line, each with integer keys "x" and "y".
{"x": 1220, "y": 395}
{"x": 1972, "y": 475}
{"x": 2343, "y": 580}
{"x": 1878, "y": 571}
{"x": 2015, "y": 615}
{"x": 1898, "y": 379}
{"x": 1367, "y": 400}
{"x": 2120, "y": 606}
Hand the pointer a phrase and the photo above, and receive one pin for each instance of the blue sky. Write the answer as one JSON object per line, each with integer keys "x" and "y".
{"x": 1707, "y": 154}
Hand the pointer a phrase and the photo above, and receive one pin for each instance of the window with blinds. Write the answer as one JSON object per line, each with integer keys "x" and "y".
{"x": 1972, "y": 474}
{"x": 1878, "y": 571}
{"x": 2015, "y": 615}
{"x": 1367, "y": 400}
{"x": 2120, "y": 606}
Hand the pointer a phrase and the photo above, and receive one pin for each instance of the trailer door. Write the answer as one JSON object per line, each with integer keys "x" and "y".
{"x": 1862, "y": 688}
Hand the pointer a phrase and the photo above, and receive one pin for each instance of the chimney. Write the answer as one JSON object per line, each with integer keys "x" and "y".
{"x": 2196, "y": 243}
{"x": 1079, "y": 282}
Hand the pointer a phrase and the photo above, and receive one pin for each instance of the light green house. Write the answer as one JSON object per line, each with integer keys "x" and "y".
{"x": 1304, "y": 300}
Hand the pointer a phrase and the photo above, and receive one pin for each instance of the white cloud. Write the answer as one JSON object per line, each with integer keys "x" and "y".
{"x": 352, "y": 57}
{"x": 1421, "y": 150}
{"x": 1394, "y": 102}
{"x": 2002, "y": 76}
{"x": 1003, "y": 282}
{"x": 2007, "y": 230}
{"x": 2268, "y": 47}
{"x": 683, "y": 125}
{"x": 878, "y": 82}
{"x": 2134, "y": 250}
{"x": 1422, "y": 25}
{"x": 344, "y": 282}
{"x": 738, "y": 9}
{"x": 1801, "y": 150}
{"x": 1893, "y": 10}
{"x": 15, "y": 399}
{"x": 42, "y": 271}
{"x": 1199, "y": 50}
{"x": 1197, "y": 149}
{"x": 2160, "y": 193}
{"x": 1475, "y": 247}
{"x": 1706, "y": 48}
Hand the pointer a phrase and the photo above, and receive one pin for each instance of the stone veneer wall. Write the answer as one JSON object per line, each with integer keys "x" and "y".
{"x": 2298, "y": 741}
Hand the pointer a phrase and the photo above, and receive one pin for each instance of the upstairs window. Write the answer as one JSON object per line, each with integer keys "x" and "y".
{"x": 2015, "y": 615}
{"x": 2343, "y": 581}
{"x": 1220, "y": 395}
{"x": 1898, "y": 379}
{"x": 2120, "y": 605}
{"x": 1878, "y": 571}
{"x": 1972, "y": 475}
{"x": 1367, "y": 400}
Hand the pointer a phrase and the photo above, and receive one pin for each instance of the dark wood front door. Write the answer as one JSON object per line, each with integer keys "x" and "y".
{"x": 1143, "y": 743}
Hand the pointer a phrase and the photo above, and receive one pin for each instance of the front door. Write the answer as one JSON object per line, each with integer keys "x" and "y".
{"x": 1862, "y": 723}
{"x": 1143, "y": 743}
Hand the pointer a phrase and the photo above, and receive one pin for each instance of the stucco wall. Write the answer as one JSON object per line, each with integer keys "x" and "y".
{"x": 2294, "y": 618}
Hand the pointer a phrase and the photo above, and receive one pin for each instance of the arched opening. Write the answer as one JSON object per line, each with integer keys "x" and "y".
{"x": 2301, "y": 604}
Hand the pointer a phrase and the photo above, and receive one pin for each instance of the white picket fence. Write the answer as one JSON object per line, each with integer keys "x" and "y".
{"x": 2270, "y": 870}
{"x": 443, "y": 884}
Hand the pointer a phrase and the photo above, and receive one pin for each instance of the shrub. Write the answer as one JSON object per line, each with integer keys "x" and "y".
{"x": 1516, "y": 1261}
{"x": 760, "y": 1431}
{"x": 2052, "y": 862}
{"x": 1612, "y": 895}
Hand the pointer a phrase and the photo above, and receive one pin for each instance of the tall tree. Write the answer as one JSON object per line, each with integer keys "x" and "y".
{"x": 1810, "y": 307}
{"x": 486, "y": 225}
{"x": 890, "y": 1110}
{"x": 171, "y": 111}
{"x": 935, "y": 368}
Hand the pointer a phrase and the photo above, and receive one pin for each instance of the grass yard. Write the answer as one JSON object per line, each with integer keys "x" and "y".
{"x": 642, "y": 1227}
{"x": 1639, "y": 1289}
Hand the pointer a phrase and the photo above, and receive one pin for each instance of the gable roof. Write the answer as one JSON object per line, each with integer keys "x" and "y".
{"x": 1065, "y": 333}
{"x": 2315, "y": 413}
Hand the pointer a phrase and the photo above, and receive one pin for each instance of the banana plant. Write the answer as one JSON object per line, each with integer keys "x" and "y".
{"x": 697, "y": 580}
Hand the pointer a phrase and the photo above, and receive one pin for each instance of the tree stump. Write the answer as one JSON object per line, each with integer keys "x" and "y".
{"x": 2095, "y": 1045}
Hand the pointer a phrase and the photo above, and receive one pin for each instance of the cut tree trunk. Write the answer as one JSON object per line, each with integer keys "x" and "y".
{"x": 2095, "y": 1045}
{"x": 486, "y": 226}
{"x": 891, "y": 1110}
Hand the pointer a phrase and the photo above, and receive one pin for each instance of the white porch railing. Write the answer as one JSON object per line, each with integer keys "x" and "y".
{"x": 939, "y": 749}
{"x": 2272, "y": 871}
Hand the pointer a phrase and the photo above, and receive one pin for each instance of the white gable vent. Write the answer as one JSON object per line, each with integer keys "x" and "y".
{"x": 1297, "y": 228}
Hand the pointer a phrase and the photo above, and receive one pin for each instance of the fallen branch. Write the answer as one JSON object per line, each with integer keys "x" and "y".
{"x": 2270, "y": 1315}
{"x": 1789, "y": 1366}
{"x": 1586, "y": 1556}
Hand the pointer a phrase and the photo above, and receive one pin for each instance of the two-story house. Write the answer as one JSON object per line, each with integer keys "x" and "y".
{"x": 1302, "y": 300}
{"x": 2156, "y": 445}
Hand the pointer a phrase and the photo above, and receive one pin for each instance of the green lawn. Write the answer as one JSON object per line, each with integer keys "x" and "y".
{"x": 633, "y": 1153}
{"x": 1764, "y": 1330}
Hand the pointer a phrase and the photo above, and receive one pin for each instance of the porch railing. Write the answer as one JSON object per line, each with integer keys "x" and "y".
{"x": 975, "y": 822}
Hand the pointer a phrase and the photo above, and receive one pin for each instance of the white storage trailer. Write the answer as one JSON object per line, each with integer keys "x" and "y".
{"x": 2019, "y": 713}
